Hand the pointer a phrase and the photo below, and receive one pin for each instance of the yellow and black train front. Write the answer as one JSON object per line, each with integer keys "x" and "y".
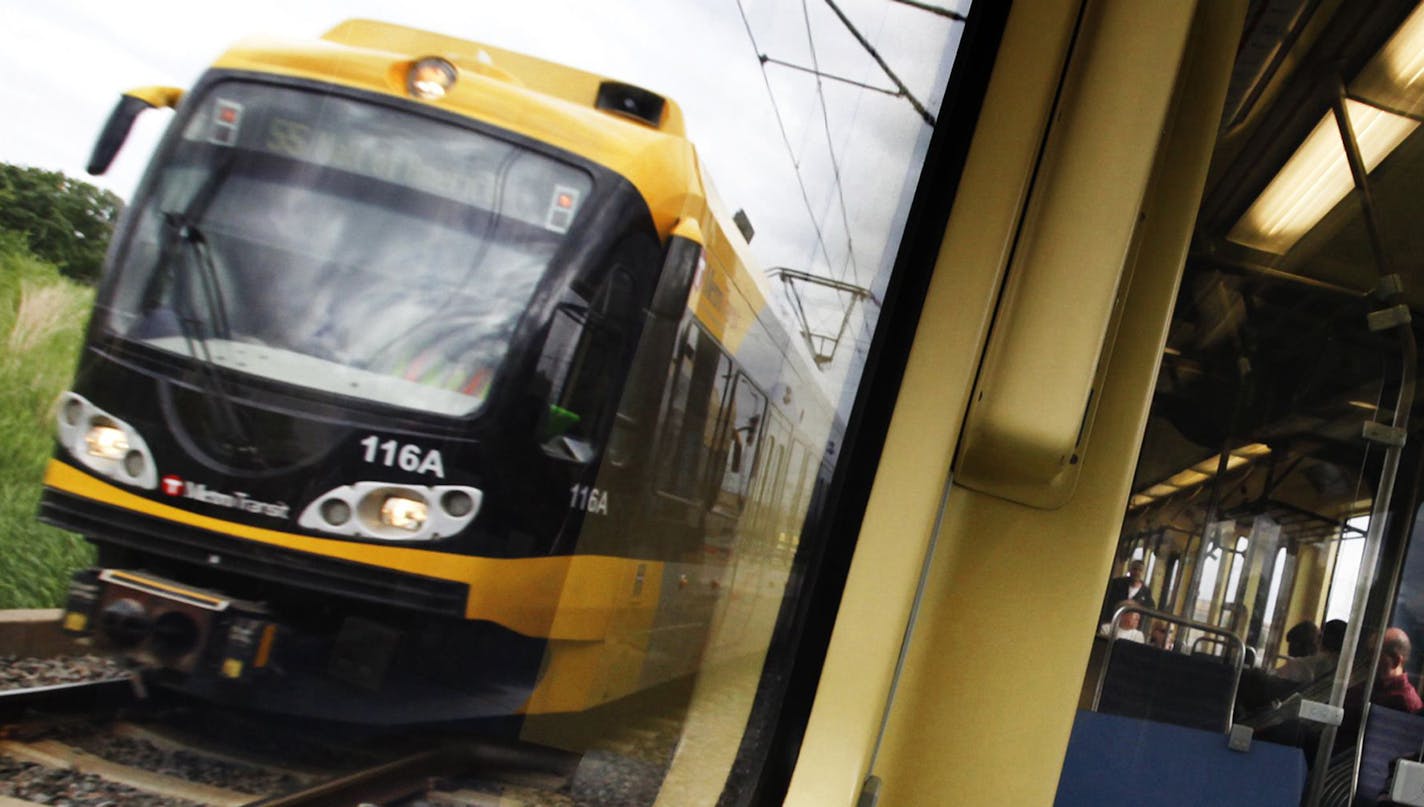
{"x": 345, "y": 417}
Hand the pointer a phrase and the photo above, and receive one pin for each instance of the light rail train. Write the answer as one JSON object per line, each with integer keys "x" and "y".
{"x": 1153, "y": 301}
{"x": 428, "y": 380}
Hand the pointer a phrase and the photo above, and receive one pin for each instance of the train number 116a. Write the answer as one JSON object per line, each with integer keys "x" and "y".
{"x": 592, "y": 500}
{"x": 407, "y": 456}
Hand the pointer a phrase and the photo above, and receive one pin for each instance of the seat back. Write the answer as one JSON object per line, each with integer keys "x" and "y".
{"x": 1196, "y": 691}
{"x": 1121, "y": 761}
{"x": 1389, "y": 735}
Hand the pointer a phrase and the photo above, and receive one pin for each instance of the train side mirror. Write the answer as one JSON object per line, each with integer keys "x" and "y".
{"x": 553, "y": 435}
{"x": 121, "y": 120}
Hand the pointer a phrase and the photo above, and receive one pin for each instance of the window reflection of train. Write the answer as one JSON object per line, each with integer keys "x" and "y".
{"x": 1097, "y": 346}
{"x": 432, "y": 370}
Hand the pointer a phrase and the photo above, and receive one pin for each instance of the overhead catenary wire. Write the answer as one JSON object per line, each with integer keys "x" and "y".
{"x": 785, "y": 137}
{"x": 848, "y": 266}
{"x": 943, "y": 12}
{"x": 833, "y": 77}
{"x": 870, "y": 49}
{"x": 831, "y": 150}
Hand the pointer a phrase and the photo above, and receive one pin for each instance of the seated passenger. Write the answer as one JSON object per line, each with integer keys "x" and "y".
{"x": 1320, "y": 664}
{"x": 1392, "y": 687}
{"x": 1302, "y": 642}
{"x": 1161, "y": 636}
{"x": 1126, "y": 627}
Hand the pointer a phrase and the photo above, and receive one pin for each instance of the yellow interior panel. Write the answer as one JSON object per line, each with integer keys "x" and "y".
{"x": 983, "y": 708}
{"x": 906, "y": 497}
{"x": 1034, "y": 397}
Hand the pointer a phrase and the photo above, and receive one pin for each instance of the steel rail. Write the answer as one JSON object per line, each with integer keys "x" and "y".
{"x": 410, "y": 775}
{"x": 87, "y": 697}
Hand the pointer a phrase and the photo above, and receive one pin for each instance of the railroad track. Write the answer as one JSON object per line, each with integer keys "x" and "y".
{"x": 110, "y": 741}
{"x": 101, "y": 696}
{"x": 57, "y": 752}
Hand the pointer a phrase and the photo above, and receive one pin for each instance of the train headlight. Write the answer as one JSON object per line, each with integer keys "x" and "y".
{"x": 391, "y": 512}
{"x": 103, "y": 443}
{"x": 108, "y": 442}
{"x": 404, "y": 513}
{"x": 430, "y": 78}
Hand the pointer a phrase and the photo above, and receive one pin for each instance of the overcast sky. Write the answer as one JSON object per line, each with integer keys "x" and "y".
{"x": 65, "y": 62}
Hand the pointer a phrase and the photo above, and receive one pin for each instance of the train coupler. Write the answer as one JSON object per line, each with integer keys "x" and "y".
{"x": 160, "y": 624}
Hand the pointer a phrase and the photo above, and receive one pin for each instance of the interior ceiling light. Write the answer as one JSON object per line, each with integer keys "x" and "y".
{"x": 1318, "y": 176}
{"x": 1252, "y": 450}
{"x": 1199, "y": 473}
{"x": 1395, "y": 77}
{"x": 1188, "y": 478}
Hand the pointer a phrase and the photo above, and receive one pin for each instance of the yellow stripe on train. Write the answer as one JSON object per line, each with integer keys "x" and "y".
{"x": 567, "y": 597}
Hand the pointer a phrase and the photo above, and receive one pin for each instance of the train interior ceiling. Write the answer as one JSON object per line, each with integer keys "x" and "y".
{"x": 1256, "y": 479}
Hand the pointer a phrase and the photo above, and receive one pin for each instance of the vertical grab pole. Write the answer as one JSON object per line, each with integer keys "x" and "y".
{"x": 1385, "y": 489}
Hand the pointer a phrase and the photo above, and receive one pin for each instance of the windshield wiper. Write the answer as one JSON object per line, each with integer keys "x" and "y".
{"x": 180, "y": 231}
{"x": 184, "y": 237}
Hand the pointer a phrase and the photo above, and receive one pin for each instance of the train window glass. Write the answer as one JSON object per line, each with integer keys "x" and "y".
{"x": 793, "y": 497}
{"x": 1345, "y": 571}
{"x": 740, "y": 444}
{"x": 305, "y": 260}
{"x": 311, "y": 224}
{"x": 582, "y": 356}
{"x": 770, "y": 477}
{"x": 702, "y": 374}
{"x": 1264, "y": 463}
{"x": 1271, "y": 616}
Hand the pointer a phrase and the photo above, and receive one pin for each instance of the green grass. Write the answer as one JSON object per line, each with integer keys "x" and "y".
{"x": 42, "y": 317}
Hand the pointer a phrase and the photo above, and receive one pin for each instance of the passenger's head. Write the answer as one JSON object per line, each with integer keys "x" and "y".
{"x": 1302, "y": 640}
{"x": 1394, "y": 652}
{"x": 1332, "y": 636}
{"x": 1129, "y": 620}
{"x": 1137, "y": 570}
{"x": 1159, "y": 635}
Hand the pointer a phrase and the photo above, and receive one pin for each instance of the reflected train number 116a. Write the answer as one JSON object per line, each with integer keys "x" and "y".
{"x": 589, "y": 499}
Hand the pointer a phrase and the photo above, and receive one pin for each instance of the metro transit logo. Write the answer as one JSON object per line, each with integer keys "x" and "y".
{"x": 176, "y": 486}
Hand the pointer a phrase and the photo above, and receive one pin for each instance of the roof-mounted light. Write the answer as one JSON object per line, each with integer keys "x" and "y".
{"x": 633, "y": 102}
{"x": 429, "y": 79}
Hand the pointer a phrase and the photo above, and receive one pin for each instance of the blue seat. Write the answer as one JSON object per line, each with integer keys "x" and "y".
{"x": 1114, "y": 760}
{"x": 1144, "y": 681}
{"x": 1389, "y": 735}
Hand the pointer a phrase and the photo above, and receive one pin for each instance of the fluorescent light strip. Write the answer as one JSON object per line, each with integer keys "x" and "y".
{"x": 1199, "y": 473}
{"x": 1317, "y": 177}
{"x": 1403, "y": 55}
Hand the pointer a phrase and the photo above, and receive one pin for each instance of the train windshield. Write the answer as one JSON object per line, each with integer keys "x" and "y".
{"x": 341, "y": 246}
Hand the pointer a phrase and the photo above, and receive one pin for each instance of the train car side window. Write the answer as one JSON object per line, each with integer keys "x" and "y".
{"x": 739, "y": 444}
{"x": 701, "y": 373}
{"x": 770, "y": 475}
{"x": 794, "y": 495}
{"x": 587, "y": 340}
